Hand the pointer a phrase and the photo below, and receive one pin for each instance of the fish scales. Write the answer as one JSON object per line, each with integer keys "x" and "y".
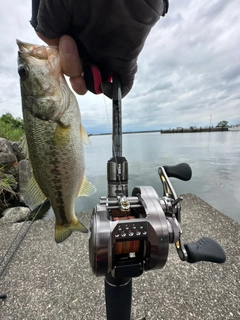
{"x": 55, "y": 169}
{"x": 54, "y": 137}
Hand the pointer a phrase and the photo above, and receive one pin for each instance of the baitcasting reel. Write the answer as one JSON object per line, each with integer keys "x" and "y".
{"x": 132, "y": 234}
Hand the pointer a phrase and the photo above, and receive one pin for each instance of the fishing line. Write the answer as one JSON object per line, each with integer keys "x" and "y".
{"x": 21, "y": 234}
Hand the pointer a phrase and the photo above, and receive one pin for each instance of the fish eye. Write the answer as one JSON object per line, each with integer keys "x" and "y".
{"x": 23, "y": 72}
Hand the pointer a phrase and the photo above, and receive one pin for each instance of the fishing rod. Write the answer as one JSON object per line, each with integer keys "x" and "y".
{"x": 131, "y": 234}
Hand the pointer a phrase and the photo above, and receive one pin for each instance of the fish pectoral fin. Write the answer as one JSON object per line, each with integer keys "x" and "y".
{"x": 63, "y": 232}
{"x": 61, "y": 136}
{"x": 84, "y": 135}
{"x": 87, "y": 188}
{"x": 33, "y": 196}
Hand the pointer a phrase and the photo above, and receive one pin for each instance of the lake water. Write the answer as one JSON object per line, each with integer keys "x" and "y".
{"x": 214, "y": 158}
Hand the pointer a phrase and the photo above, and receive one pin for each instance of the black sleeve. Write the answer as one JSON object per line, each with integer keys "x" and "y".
{"x": 35, "y": 7}
{"x": 50, "y": 18}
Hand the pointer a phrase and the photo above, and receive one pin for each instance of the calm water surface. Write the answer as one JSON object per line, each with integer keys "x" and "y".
{"x": 213, "y": 157}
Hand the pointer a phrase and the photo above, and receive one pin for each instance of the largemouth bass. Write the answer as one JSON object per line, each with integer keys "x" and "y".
{"x": 54, "y": 136}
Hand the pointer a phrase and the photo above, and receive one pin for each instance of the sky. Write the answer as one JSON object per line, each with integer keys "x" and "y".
{"x": 188, "y": 71}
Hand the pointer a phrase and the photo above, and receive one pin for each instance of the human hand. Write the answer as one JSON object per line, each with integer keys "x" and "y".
{"x": 71, "y": 63}
{"x": 112, "y": 42}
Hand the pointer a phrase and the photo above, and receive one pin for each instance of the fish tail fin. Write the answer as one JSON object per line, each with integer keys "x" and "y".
{"x": 63, "y": 232}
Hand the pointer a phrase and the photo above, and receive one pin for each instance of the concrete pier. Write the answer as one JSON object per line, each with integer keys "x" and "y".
{"x": 49, "y": 281}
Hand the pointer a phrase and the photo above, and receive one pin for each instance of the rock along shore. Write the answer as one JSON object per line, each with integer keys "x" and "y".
{"x": 14, "y": 176}
{"x": 49, "y": 281}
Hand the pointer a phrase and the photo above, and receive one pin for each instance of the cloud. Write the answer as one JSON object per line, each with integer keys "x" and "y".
{"x": 196, "y": 51}
{"x": 188, "y": 70}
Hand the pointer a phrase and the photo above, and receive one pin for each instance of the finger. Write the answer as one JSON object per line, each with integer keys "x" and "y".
{"x": 69, "y": 57}
{"x": 69, "y": 62}
{"x": 78, "y": 85}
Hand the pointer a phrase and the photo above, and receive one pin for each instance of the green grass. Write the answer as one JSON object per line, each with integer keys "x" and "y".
{"x": 6, "y": 183}
{"x": 8, "y": 132}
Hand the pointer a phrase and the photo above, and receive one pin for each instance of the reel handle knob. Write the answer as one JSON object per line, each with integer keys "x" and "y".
{"x": 180, "y": 171}
{"x": 205, "y": 249}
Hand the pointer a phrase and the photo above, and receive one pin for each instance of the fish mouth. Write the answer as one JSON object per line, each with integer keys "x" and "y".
{"x": 24, "y": 46}
{"x": 37, "y": 51}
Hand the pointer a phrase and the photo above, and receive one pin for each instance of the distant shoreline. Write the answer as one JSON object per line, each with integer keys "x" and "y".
{"x": 192, "y": 130}
{"x": 180, "y": 130}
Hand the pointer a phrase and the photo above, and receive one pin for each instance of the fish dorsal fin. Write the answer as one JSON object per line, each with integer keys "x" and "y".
{"x": 33, "y": 196}
{"x": 84, "y": 135}
{"x": 61, "y": 136}
{"x": 87, "y": 188}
